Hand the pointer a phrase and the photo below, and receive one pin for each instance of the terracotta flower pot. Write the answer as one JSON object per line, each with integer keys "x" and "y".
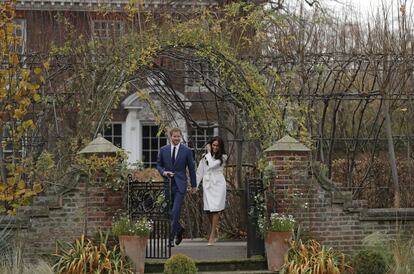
{"x": 277, "y": 246}
{"x": 134, "y": 247}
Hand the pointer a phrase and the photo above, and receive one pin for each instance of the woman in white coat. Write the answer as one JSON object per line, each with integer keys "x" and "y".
{"x": 210, "y": 171}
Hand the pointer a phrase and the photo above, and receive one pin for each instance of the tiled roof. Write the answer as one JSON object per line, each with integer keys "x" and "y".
{"x": 116, "y": 5}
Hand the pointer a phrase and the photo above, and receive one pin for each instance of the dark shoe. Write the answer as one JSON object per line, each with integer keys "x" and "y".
{"x": 179, "y": 238}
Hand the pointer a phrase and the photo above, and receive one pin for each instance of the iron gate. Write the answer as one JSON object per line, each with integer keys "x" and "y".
{"x": 151, "y": 199}
{"x": 254, "y": 196}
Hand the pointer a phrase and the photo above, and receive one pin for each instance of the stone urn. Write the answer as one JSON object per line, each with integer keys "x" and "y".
{"x": 277, "y": 246}
{"x": 134, "y": 247}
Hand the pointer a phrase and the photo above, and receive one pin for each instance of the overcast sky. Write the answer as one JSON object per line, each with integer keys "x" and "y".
{"x": 363, "y": 4}
{"x": 360, "y": 5}
{"x": 368, "y": 7}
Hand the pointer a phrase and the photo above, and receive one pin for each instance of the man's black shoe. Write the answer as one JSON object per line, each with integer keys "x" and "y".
{"x": 179, "y": 238}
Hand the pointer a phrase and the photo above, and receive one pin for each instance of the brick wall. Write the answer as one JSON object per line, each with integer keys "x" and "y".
{"x": 326, "y": 214}
{"x": 66, "y": 217}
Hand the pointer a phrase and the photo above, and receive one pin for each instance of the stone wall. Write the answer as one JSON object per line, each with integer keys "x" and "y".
{"x": 326, "y": 213}
{"x": 65, "y": 217}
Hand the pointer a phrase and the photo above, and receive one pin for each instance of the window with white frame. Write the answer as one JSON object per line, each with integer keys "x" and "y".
{"x": 198, "y": 137}
{"x": 105, "y": 29}
{"x": 113, "y": 133}
{"x": 20, "y": 33}
{"x": 152, "y": 141}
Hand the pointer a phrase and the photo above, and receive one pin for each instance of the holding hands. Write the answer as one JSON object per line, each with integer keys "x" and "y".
{"x": 168, "y": 174}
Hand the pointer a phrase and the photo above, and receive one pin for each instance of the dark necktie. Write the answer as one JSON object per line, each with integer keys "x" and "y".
{"x": 173, "y": 156}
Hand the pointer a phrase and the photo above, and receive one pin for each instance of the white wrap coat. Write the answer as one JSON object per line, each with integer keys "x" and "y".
{"x": 214, "y": 184}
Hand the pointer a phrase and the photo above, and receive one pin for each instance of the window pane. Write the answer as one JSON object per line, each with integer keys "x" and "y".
{"x": 108, "y": 130}
{"x": 163, "y": 141}
{"x": 117, "y": 141}
{"x": 154, "y": 131}
{"x": 154, "y": 155}
{"x": 145, "y": 156}
{"x": 200, "y": 144}
{"x": 118, "y": 129}
{"x": 145, "y": 131}
{"x": 151, "y": 144}
{"x": 198, "y": 138}
{"x": 154, "y": 143}
{"x": 109, "y": 133}
{"x": 145, "y": 143}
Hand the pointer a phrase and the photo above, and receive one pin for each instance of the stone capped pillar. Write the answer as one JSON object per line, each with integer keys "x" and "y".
{"x": 288, "y": 187}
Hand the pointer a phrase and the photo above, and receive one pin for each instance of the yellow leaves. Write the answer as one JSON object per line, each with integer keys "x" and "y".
{"x": 36, "y": 97}
{"x": 37, "y": 187}
{"x": 25, "y": 102}
{"x": 311, "y": 257}
{"x": 133, "y": 7}
{"x": 46, "y": 65}
{"x": 19, "y": 113}
{"x": 107, "y": 265}
{"x": 21, "y": 185}
{"x": 86, "y": 256}
{"x": 13, "y": 59}
{"x": 9, "y": 28}
{"x": 28, "y": 124}
{"x": 3, "y": 92}
{"x": 25, "y": 73}
{"x": 133, "y": 67}
{"x": 20, "y": 192}
{"x": 37, "y": 71}
{"x": 18, "y": 91}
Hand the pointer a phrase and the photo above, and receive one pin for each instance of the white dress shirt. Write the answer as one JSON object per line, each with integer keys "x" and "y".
{"x": 177, "y": 147}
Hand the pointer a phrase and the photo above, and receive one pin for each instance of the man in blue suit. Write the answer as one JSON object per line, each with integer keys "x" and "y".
{"x": 173, "y": 161}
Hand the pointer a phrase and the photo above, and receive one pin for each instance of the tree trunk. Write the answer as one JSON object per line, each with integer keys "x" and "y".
{"x": 391, "y": 152}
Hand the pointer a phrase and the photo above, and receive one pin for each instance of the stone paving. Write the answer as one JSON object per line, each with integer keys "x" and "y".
{"x": 221, "y": 250}
{"x": 221, "y": 253}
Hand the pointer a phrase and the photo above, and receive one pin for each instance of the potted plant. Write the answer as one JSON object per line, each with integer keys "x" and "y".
{"x": 133, "y": 237}
{"x": 277, "y": 231}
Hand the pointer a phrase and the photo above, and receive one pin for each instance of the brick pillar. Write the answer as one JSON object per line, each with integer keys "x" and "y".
{"x": 103, "y": 205}
{"x": 289, "y": 185}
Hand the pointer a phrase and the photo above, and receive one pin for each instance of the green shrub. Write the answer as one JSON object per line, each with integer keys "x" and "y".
{"x": 180, "y": 264}
{"x": 369, "y": 262}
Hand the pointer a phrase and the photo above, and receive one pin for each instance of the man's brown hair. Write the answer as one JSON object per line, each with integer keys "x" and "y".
{"x": 175, "y": 129}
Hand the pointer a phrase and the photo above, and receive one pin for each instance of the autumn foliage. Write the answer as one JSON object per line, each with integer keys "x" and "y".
{"x": 19, "y": 92}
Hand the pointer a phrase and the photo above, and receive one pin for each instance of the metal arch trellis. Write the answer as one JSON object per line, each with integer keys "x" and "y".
{"x": 335, "y": 66}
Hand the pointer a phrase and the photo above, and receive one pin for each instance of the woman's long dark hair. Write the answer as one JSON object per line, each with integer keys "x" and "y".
{"x": 221, "y": 151}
